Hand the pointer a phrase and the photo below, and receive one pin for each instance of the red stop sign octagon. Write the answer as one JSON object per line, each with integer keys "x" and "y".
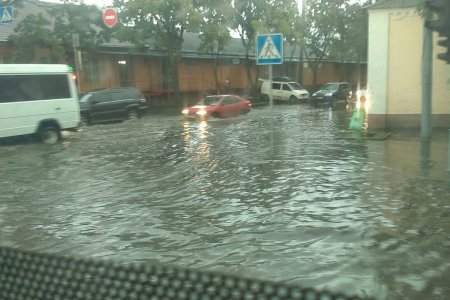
{"x": 110, "y": 16}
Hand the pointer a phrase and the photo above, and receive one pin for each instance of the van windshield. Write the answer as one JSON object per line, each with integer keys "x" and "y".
{"x": 296, "y": 86}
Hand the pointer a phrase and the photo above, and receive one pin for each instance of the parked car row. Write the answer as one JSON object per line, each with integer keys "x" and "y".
{"x": 283, "y": 89}
{"x": 286, "y": 89}
{"x": 118, "y": 104}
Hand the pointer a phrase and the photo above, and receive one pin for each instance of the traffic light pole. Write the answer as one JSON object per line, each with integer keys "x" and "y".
{"x": 425, "y": 119}
{"x": 76, "y": 44}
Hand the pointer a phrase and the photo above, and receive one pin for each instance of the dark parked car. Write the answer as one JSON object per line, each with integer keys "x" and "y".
{"x": 332, "y": 93}
{"x": 109, "y": 105}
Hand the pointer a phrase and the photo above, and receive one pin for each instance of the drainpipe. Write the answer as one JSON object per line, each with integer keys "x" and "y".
{"x": 425, "y": 120}
{"x": 448, "y": 160}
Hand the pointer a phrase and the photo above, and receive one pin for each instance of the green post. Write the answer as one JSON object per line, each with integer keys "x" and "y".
{"x": 358, "y": 119}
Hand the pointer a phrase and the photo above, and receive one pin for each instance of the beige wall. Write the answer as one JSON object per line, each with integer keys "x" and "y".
{"x": 441, "y": 86}
{"x": 405, "y": 64}
{"x": 395, "y": 72}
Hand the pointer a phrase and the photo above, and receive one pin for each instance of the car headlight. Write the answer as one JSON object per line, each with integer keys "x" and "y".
{"x": 201, "y": 112}
{"x": 185, "y": 111}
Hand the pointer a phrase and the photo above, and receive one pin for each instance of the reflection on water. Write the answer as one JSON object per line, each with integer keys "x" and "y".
{"x": 277, "y": 194}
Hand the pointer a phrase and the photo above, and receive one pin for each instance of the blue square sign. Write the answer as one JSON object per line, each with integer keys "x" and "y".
{"x": 6, "y": 15}
{"x": 269, "y": 49}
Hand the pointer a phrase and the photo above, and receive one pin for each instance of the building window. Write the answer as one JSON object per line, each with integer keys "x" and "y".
{"x": 126, "y": 72}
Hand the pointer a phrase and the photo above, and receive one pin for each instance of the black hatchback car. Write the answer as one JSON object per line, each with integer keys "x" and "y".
{"x": 114, "y": 104}
{"x": 332, "y": 93}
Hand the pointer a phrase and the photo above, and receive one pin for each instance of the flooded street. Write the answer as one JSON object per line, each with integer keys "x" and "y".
{"x": 282, "y": 195}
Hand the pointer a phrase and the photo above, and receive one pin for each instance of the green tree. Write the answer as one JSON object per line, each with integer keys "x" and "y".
{"x": 351, "y": 40}
{"x": 75, "y": 17}
{"x": 283, "y": 17}
{"x": 248, "y": 16}
{"x": 164, "y": 22}
{"x": 251, "y": 17}
{"x": 32, "y": 34}
{"x": 214, "y": 31}
{"x": 53, "y": 30}
{"x": 323, "y": 20}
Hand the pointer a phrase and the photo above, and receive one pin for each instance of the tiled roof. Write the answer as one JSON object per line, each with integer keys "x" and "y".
{"x": 392, "y": 4}
{"x": 20, "y": 11}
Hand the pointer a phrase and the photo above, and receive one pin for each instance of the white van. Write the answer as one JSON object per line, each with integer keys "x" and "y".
{"x": 290, "y": 91}
{"x": 37, "y": 99}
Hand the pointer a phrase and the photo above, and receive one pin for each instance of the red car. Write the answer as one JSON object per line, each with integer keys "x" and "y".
{"x": 219, "y": 106}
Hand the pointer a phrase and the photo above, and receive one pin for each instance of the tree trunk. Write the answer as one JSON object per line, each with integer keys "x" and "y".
{"x": 300, "y": 66}
{"x": 173, "y": 81}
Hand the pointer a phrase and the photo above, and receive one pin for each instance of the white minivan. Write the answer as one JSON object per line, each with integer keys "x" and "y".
{"x": 39, "y": 99}
{"x": 289, "y": 91}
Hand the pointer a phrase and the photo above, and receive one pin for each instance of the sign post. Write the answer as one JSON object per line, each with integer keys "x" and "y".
{"x": 269, "y": 51}
{"x": 110, "y": 16}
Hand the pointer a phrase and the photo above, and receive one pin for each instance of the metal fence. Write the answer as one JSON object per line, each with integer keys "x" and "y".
{"x": 26, "y": 275}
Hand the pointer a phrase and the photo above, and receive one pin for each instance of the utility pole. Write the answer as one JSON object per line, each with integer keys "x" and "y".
{"x": 425, "y": 119}
{"x": 441, "y": 24}
{"x": 76, "y": 45}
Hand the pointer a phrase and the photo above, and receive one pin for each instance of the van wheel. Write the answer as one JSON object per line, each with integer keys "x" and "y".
{"x": 133, "y": 114}
{"x": 292, "y": 100}
{"x": 49, "y": 135}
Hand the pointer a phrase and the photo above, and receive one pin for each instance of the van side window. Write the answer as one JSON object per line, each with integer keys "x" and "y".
{"x": 276, "y": 86}
{"x": 16, "y": 88}
{"x": 286, "y": 87}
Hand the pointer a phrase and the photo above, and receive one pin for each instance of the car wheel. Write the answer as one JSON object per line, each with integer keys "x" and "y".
{"x": 49, "y": 135}
{"x": 133, "y": 114}
{"x": 292, "y": 100}
{"x": 85, "y": 120}
{"x": 215, "y": 115}
{"x": 332, "y": 101}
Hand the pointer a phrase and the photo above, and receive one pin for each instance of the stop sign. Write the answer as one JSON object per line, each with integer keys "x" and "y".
{"x": 110, "y": 16}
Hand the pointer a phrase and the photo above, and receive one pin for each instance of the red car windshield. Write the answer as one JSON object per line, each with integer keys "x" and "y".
{"x": 211, "y": 101}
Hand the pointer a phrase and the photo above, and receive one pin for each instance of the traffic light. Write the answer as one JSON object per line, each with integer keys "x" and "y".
{"x": 441, "y": 24}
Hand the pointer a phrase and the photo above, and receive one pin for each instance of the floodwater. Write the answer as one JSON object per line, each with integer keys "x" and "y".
{"x": 279, "y": 194}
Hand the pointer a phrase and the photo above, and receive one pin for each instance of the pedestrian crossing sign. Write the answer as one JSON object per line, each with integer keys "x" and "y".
{"x": 269, "y": 49}
{"x": 6, "y": 15}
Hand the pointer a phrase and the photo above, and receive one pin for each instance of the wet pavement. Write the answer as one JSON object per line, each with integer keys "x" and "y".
{"x": 278, "y": 194}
